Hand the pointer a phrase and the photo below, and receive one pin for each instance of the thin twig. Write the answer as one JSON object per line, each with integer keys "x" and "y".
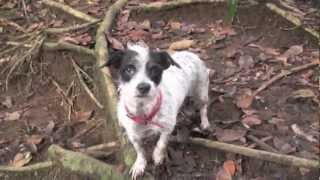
{"x": 85, "y": 131}
{"x": 70, "y": 10}
{"x": 13, "y": 24}
{"x": 259, "y": 154}
{"x": 70, "y": 28}
{"x": 61, "y": 45}
{"x": 86, "y": 88}
{"x": 100, "y": 147}
{"x": 285, "y": 73}
{"x": 262, "y": 144}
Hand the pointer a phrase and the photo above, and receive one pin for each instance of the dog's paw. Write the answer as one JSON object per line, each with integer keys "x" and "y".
{"x": 158, "y": 156}
{"x": 205, "y": 125}
{"x": 138, "y": 168}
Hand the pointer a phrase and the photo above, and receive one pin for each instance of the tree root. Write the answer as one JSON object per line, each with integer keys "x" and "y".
{"x": 70, "y": 28}
{"x": 84, "y": 85}
{"x": 70, "y": 10}
{"x": 30, "y": 168}
{"x": 263, "y": 155}
{"x": 61, "y": 45}
{"x": 170, "y": 5}
{"x": 13, "y": 24}
{"x": 290, "y": 17}
{"x": 79, "y": 162}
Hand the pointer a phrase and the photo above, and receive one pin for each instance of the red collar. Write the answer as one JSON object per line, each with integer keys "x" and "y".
{"x": 147, "y": 118}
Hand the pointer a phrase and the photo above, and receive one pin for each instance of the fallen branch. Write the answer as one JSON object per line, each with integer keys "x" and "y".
{"x": 30, "y": 168}
{"x": 285, "y": 73}
{"x": 100, "y": 147}
{"x": 110, "y": 94}
{"x": 170, "y": 4}
{"x": 70, "y": 28}
{"x": 296, "y": 21}
{"x": 79, "y": 162}
{"x": 84, "y": 85}
{"x": 70, "y": 10}
{"x": 262, "y": 144}
{"x": 263, "y": 155}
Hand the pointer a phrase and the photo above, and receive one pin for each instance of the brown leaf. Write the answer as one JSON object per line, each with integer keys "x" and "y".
{"x": 82, "y": 115}
{"x": 34, "y": 139}
{"x": 50, "y": 127}
{"x": 175, "y": 25}
{"x": 283, "y": 146}
{"x": 137, "y": 35}
{"x": 223, "y": 175}
{"x": 115, "y": 43}
{"x": 228, "y": 135}
{"x": 291, "y": 52}
{"x": 13, "y": 116}
{"x": 21, "y": 159}
{"x": 266, "y": 50}
{"x": 245, "y": 100}
{"x": 251, "y": 120}
{"x": 158, "y": 35}
{"x": 69, "y": 39}
{"x": 146, "y": 25}
{"x": 230, "y": 167}
{"x": 303, "y": 93}
{"x": 246, "y": 62}
{"x": 182, "y": 44}
{"x": 7, "y": 102}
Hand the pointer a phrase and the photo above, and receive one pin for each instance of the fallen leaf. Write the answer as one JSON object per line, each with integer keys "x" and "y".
{"x": 296, "y": 129}
{"x": 251, "y": 120}
{"x": 21, "y": 159}
{"x": 7, "y": 102}
{"x": 49, "y": 129}
{"x": 175, "y": 25}
{"x": 230, "y": 167}
{"x": 266, "y": 50}
{"x": 283, "y": 146}
{"x": 223, "y": 175}
{"x": 69, "y": 39}
{"x": 137, "y": 35}
{"x": 291, "y": 52}
{"x": 158, "y": 35}
{"x": 146, "y": 25}
{"x": 12, "y": 116}
{"x": 246, "y": 62}
{"x": 182, "y": 44}
{"x": 115, "y": 43}
{"x": 303, "y": 93}
{"x": 228, "y": 135}
{"x": 245, "y": 99}
{"x": 34, "y": 139}
{"x": 81, "y": 115}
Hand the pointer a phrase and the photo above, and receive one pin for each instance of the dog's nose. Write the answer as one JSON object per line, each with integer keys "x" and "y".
{"x": 143, "y": 88}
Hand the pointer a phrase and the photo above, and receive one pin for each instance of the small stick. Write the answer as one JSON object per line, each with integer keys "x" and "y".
{"x": 70, "y": 10}
{"x": 262, "y": 144}
{"x": 283, "y": 74}
{"x": 294, "y": 20}
{"x": 259, "y": 154}
{"x": 70, "y": 28}
{"x": 253, "y": 145}
{"x": 61, "y": 45}
{"x": 86, "y": 88}
{"x": 13, "y": 24}
{"x": 100, "y": 147}
{"x": 157, "y": 6}
{"x": 296, "y": 10}
{"x": 86, "y": 130}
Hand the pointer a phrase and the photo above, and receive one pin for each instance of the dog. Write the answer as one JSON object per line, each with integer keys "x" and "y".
{"x": 152, "y": 87}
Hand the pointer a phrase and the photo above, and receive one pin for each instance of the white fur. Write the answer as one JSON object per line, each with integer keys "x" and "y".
{"x": 191, "y": 80}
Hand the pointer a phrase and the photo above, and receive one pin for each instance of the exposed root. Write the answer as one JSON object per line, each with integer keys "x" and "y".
{"x": 30, "y": 168}
{"x": 70, "y": 28}
{"x": 61, "y": 45}
{"x": 70, "y": 10}
{"x": 171, "y": 4}
{"x": 290, "y": 17}
{"x": 78, "y": 71}
{"x": 263, "y": 155}
{"x": 13, "y": 24}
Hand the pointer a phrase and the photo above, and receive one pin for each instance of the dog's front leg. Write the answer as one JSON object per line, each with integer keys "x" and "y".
{"x": 140, "y": 164}
{"x": 160, "y": 149}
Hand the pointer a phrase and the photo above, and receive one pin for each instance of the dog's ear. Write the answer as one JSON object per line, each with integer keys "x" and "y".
{"x": 115, "y": 59}
{"x": 164, "y": 59}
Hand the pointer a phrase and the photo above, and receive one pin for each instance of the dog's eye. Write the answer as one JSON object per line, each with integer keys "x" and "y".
{"x": 129, "y": 70}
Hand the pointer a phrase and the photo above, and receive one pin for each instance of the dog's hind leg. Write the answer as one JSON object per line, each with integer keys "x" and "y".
{"x": 202, "y": 98}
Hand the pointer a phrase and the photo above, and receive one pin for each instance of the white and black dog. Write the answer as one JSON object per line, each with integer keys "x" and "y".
{"x": 153, "y": 86}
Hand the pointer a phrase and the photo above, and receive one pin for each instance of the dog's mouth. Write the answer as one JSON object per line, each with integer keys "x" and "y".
{"x": 142, "y": 95}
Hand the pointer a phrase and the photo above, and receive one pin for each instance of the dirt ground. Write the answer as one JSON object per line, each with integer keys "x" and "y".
{"x": 35, "y": 110}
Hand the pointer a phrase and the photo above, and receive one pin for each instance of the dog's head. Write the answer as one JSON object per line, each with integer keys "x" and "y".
{"x": 140, "y": 70}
